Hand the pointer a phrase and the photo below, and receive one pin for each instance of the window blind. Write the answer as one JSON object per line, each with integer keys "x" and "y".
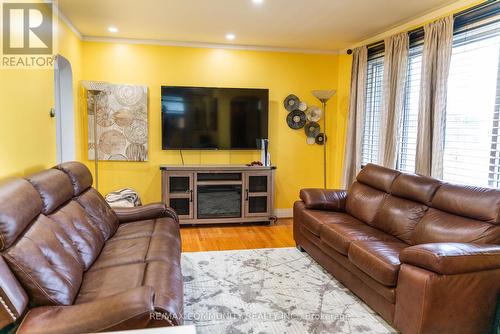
{"x": 471, "y": 154}
{"x": 407, "y": 140}
{"x": 369, "y": 143}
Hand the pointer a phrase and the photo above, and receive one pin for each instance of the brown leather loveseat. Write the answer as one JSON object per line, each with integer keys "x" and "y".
{"x": 422, "y": 253}
{"x": 71, "y": 264}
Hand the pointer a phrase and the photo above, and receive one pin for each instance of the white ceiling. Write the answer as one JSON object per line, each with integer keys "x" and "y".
{"x": 300, "y": 24}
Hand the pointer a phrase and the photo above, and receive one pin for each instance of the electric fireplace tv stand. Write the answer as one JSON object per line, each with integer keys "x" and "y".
{"x": 214, "y": 194}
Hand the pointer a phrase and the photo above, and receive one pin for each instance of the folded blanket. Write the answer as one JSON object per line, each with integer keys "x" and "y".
{"x": 126, "y": 197}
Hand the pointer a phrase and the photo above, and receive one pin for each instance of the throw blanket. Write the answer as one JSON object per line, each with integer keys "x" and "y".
{"x": 123, "y": 198}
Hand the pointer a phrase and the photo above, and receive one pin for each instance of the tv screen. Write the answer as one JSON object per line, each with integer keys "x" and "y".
{"x": 213, "y": 118}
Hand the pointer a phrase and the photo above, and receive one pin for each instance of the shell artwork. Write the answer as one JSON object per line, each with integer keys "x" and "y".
{"x": 136, "y": 152}
{"x": 122, "y": 123}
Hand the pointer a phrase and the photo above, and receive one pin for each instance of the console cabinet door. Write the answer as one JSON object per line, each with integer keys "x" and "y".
{"x": 179, "y": 187}
{"x": 257, "y": 194}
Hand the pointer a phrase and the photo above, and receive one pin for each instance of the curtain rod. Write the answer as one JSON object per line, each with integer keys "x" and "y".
{"x": 463, "y": 13}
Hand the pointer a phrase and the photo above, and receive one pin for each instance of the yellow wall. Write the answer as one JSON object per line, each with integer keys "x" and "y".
{"x": 299, "y": 165}
{"x": 27, "y": 132}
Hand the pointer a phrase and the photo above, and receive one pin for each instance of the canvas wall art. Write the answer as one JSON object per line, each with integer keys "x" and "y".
{"x": 122, "y": 123}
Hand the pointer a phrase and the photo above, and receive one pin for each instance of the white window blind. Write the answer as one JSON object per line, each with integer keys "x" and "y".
{"x": 407, "y": 141}
{"x": 369, "y": 149}
{"x": 471, "y": 154}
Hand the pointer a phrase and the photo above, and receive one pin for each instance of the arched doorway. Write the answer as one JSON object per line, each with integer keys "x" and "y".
{"x": 64, "y": 110}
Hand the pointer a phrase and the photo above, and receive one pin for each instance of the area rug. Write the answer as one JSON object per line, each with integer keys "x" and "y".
{"x": 270, "y": 291}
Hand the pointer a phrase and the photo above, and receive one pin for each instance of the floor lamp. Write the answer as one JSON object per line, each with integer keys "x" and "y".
{"x": 323, "y": 96}
{"x": 96, "y": 89}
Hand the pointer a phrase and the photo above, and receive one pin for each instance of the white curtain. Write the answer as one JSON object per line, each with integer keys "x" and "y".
{"x": 438, "y": 40}
{"x": 395, "y": 70}
{"x": 352, "y": 157}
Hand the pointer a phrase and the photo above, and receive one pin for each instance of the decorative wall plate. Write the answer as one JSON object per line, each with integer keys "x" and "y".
{"x": 302, "y": 106}
{"x": 310, "y": 140}
{"x": 296, "y": 119}
{"x": 312, "y": 129}
{"x": 314, "y": 114}
{"x": 291, "y": 102}
{"x": 320, "y": 139}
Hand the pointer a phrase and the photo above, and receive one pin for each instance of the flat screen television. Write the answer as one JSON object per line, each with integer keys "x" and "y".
{"x": 202, "y": 118}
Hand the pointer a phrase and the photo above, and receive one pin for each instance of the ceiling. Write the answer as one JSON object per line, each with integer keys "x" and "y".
{"x": 299, "y": 24}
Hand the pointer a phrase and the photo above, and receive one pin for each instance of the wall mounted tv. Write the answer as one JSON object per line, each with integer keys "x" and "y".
{"x": 202, "y": 118}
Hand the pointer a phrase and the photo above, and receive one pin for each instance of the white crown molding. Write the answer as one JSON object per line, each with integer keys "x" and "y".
{"x": 65, "y": 19}
{"x": 206, "y": 45}
{"x": 417, "y": 21}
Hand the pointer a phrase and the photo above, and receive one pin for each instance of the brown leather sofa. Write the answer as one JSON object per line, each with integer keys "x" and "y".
{"x": 71, "y": 264}
{"x": 422, "y": 253}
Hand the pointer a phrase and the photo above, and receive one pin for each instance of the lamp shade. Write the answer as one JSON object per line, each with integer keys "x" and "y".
{"x": 324, "y": 95}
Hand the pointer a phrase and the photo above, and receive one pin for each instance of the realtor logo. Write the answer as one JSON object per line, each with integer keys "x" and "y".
{"x": 27, "y": 34}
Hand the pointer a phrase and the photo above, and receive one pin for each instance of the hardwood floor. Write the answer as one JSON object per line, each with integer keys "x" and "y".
{"x": 230, "y": 237}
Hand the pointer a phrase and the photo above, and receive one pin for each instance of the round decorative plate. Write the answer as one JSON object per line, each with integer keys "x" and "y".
{"x": 310, "y": 140}
{"x": 320, "y": 139}
{"x": 291, "y": 102}
{"x": 296, "y": 119}
{"x": 302, "y": 106}
{"x": 312, "y": 129}
{"x": 314, "y": 114}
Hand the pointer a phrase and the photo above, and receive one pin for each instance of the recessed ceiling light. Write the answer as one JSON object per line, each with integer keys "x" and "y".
{"x": 258, "y": 1}
{"x": 112, "y": 29}
{"x": 230, "y": 37}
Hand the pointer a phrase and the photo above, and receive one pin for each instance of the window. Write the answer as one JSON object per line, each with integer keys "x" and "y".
{"x": 373, "y": 102}
{"x": 472, "y": 147}
{"x": 407, "y": 141}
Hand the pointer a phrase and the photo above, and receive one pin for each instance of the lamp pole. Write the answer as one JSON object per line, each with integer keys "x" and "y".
{"x": 323, "y": 96}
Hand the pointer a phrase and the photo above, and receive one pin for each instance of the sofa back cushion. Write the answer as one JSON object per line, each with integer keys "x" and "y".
{"x": 44, "y": 261}
{"x": 54, "y": 188}
{"x": 19, "y": 205}
{"x": 79, "y": 174}
{"x": 84, "y": 234}
{"x": 99, "y": 212}
{"x": 364, "y": 201}
{"x": 461, "y": 214}
{"x": 366, "y": 196}
{"x": 398, "y": 217}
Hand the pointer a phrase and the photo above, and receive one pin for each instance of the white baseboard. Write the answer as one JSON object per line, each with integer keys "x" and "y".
{"x": 283, "y": 213}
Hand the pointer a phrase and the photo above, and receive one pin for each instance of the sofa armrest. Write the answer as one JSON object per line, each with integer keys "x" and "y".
{"x": 129, "y": 310}
{"x": 13, "y": 298}
{"x": 452, "y": 258}
{"x": 145, "y": 212}
{"x": 324, "y": 199}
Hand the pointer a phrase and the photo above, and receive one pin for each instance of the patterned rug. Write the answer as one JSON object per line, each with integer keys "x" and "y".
{"x": 270, "y": 291}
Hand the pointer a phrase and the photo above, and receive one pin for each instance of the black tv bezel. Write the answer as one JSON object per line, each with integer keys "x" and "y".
{"x": 215, "y": 148}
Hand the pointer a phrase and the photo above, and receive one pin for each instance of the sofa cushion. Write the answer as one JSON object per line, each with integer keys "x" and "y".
{"x": 363, "y": 202}
{"x": 54, "y": 188}
{"x": 158, "y": 240}
{"x": 416, "y": 188}
{"x": 79, "y": 174}
{"x": 99, "y": 211}
{"x": 468, "y": 201}
{"x": 20, "y": 204}
{"x": 440, "y": 226}
{"x": 138, "y": 258}
{"x": 313, "y": 220}
{"x": 398, "y": 217}
{"x": 83, "y": 233}
{"x": 45, "y": 262}
{"x": 340, "y": 236}
{"x": 378, "y": 259}
{"x": 378, "y": 177}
